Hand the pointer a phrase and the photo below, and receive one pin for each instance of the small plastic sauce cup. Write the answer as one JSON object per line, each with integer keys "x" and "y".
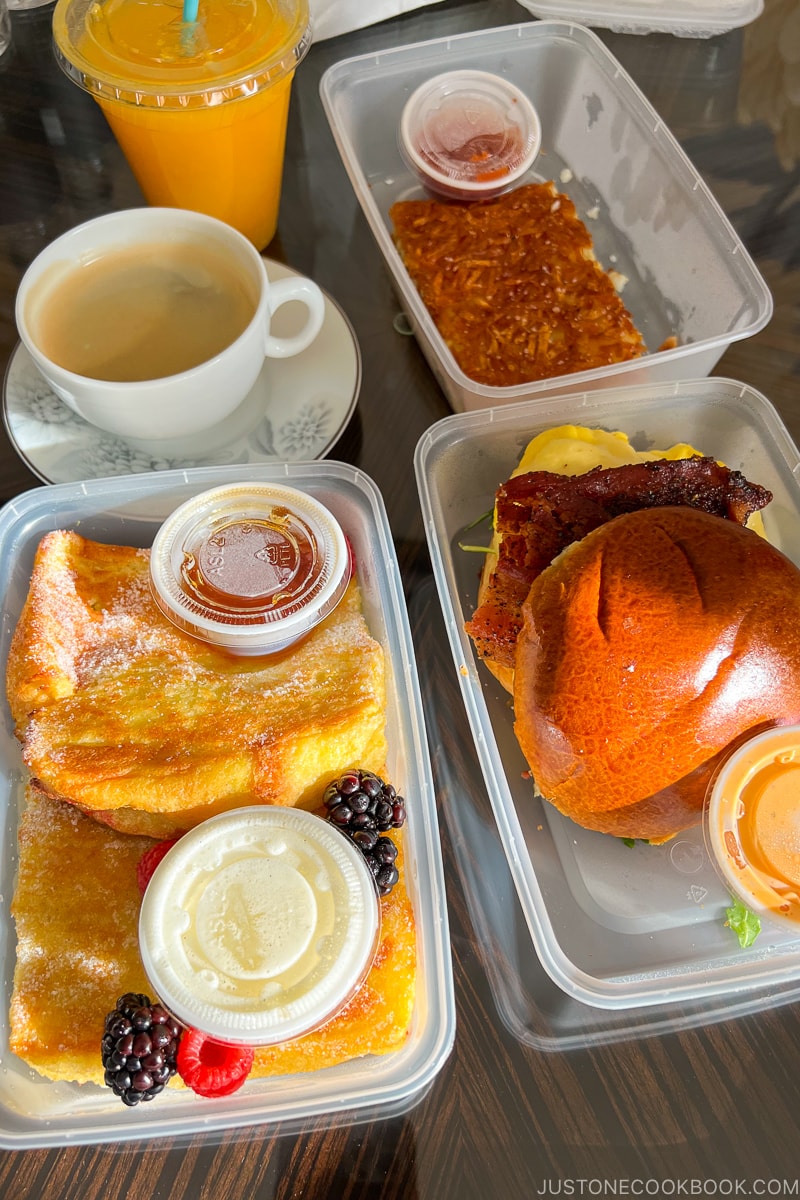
{"x": 259, "y": 925}
{"x": 752, "y": 824}
{"x": 469, "y": 135}
{"x": 249, "y": 567}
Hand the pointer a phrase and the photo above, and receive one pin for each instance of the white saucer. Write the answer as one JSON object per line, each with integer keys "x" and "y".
{"x": 296, "y": 411}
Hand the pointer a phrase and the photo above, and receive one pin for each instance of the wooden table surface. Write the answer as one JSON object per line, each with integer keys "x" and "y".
{"x": 529, "y": 1103}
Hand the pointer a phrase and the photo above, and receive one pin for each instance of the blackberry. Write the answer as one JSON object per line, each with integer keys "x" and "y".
{"x": 364, "y": 807}
{"x": 139, "y": 1046}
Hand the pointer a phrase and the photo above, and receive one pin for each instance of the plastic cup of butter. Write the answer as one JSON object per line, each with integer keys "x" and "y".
{"x": 250, "y": 567}
{"x": 259, "y": 925}
{"x": 752, "y": 825}
{"x": 469, "y": 135}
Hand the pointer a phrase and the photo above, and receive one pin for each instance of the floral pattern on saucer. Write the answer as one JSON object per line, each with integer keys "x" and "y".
{"x": 296, "y": 412}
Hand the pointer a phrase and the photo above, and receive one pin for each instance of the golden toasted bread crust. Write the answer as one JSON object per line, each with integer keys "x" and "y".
{"x": 76, "y": 909}
{"x": 152, "y": 731}
{"x": 503, "y": 674}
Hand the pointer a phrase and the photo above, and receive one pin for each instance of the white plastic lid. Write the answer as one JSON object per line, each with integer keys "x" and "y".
{"x": 259, "y": 925}
{"x": 752, "y": 824}
{"x": 684, "y": 18}
{"x": 469, "y": 135}
{"x": 249, "y": 567}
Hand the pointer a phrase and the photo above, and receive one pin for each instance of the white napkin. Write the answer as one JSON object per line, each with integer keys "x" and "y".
{"x": 331, "y": 17}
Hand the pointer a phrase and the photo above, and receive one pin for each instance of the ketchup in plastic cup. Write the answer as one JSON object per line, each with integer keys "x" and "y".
{"x": 752, "y": 824}
{"x": 199, "y": 108}
{"x": 469, "y": 135}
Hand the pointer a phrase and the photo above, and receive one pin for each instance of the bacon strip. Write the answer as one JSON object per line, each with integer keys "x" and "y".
{"x": 540, "y": 513}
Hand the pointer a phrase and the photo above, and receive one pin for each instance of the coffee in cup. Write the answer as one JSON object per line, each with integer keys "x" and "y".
{"x": 154, "y": 323}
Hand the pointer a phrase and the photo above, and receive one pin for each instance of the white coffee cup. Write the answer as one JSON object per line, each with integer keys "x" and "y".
{"x": 178, "y": 404}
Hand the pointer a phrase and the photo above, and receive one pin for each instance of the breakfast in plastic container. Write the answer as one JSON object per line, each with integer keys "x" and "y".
{"x": 504, "y": 264}
{"x": 643, "y": 623}
{"x": 210, "y": 876}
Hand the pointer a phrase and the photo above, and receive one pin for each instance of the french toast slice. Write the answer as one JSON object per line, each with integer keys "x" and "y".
{"x": 152, "y": 731}
{"x": 76, "y": 909}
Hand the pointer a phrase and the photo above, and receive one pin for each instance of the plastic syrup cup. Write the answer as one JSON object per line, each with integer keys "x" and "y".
{"x": 752, "y": 824}
{"x": 259, "y": 925}
{"x": 199, "y": 109}
{"x": 469, "y": 135}
{"x": 249, "y": 567}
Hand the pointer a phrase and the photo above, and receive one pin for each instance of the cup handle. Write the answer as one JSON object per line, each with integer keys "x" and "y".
{"x": 307, "y": 292}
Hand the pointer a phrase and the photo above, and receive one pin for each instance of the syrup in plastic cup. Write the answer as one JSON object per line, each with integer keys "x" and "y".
{"x": 752, "y": 824}
{"x": 250, "y": 567}
{"x": 259, "y": 925}
{"x": 469, "y": 135}
{"x": 199, "y": 109}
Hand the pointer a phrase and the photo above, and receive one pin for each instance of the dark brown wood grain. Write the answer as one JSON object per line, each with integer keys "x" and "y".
{"x": 505, "y": 1117}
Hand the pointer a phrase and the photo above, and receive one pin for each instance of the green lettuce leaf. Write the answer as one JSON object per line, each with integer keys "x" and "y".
{"x": 744, "y": 923}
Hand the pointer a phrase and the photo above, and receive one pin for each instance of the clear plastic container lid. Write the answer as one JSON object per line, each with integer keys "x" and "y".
{"x": 259, "y": 925}
{"x": 684, "y": 18}
{"x": 469, "y": 135}
{"x": 249, "y": 567}
{"x": 752, "y": 824}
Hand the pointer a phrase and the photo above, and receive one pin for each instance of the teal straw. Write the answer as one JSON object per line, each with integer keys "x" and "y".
{"x": 190, "y": 10}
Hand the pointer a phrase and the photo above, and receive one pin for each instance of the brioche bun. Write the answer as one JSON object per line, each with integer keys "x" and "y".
{"x": 648, "y": 648}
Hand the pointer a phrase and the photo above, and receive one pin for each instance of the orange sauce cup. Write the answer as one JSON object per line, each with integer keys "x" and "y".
{"x": 752, "y": 824}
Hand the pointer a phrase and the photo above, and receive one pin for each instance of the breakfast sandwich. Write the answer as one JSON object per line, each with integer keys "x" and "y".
{"x": 76, "y": 910}
{"x": 151, "y": 731}
{"x": 538, "y": 514}
{"x": 641, "y": 626}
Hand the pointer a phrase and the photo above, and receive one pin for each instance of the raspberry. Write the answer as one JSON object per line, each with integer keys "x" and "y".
{"x": 212, "y": 1068}
{"x": 139, "y": 1047}
{"x": 149, "y": 861}
{"x": 364, "y": 807}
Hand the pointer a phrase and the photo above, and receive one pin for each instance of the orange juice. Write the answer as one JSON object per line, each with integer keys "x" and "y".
{"x": 199, "y": 109}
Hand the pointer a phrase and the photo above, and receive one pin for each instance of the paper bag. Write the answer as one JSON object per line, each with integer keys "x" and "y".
{"x": 331, "y": 17}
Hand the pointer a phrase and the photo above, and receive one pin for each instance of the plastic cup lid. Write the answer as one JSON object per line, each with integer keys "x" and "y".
{"x": 752, "y": 823}
{"x": 469, "y": 130}
{"x": 143, "y": 55}
{"x": 259, "y": 925}
{"x": 249, "y": 567}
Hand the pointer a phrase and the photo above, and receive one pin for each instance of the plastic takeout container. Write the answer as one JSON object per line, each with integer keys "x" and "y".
{"x": 752, "y": 825}
{"x": 652, "y": 218}
{"x": 469, "y": 135}
{"x": 249, "y": 567}
{"x": 37, "y": 1112}
{"x": 684, "y": 18}
{"x": 615, "y": 926}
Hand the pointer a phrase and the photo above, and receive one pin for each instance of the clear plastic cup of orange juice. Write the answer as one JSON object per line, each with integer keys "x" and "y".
{"x": 199, "y": 108}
